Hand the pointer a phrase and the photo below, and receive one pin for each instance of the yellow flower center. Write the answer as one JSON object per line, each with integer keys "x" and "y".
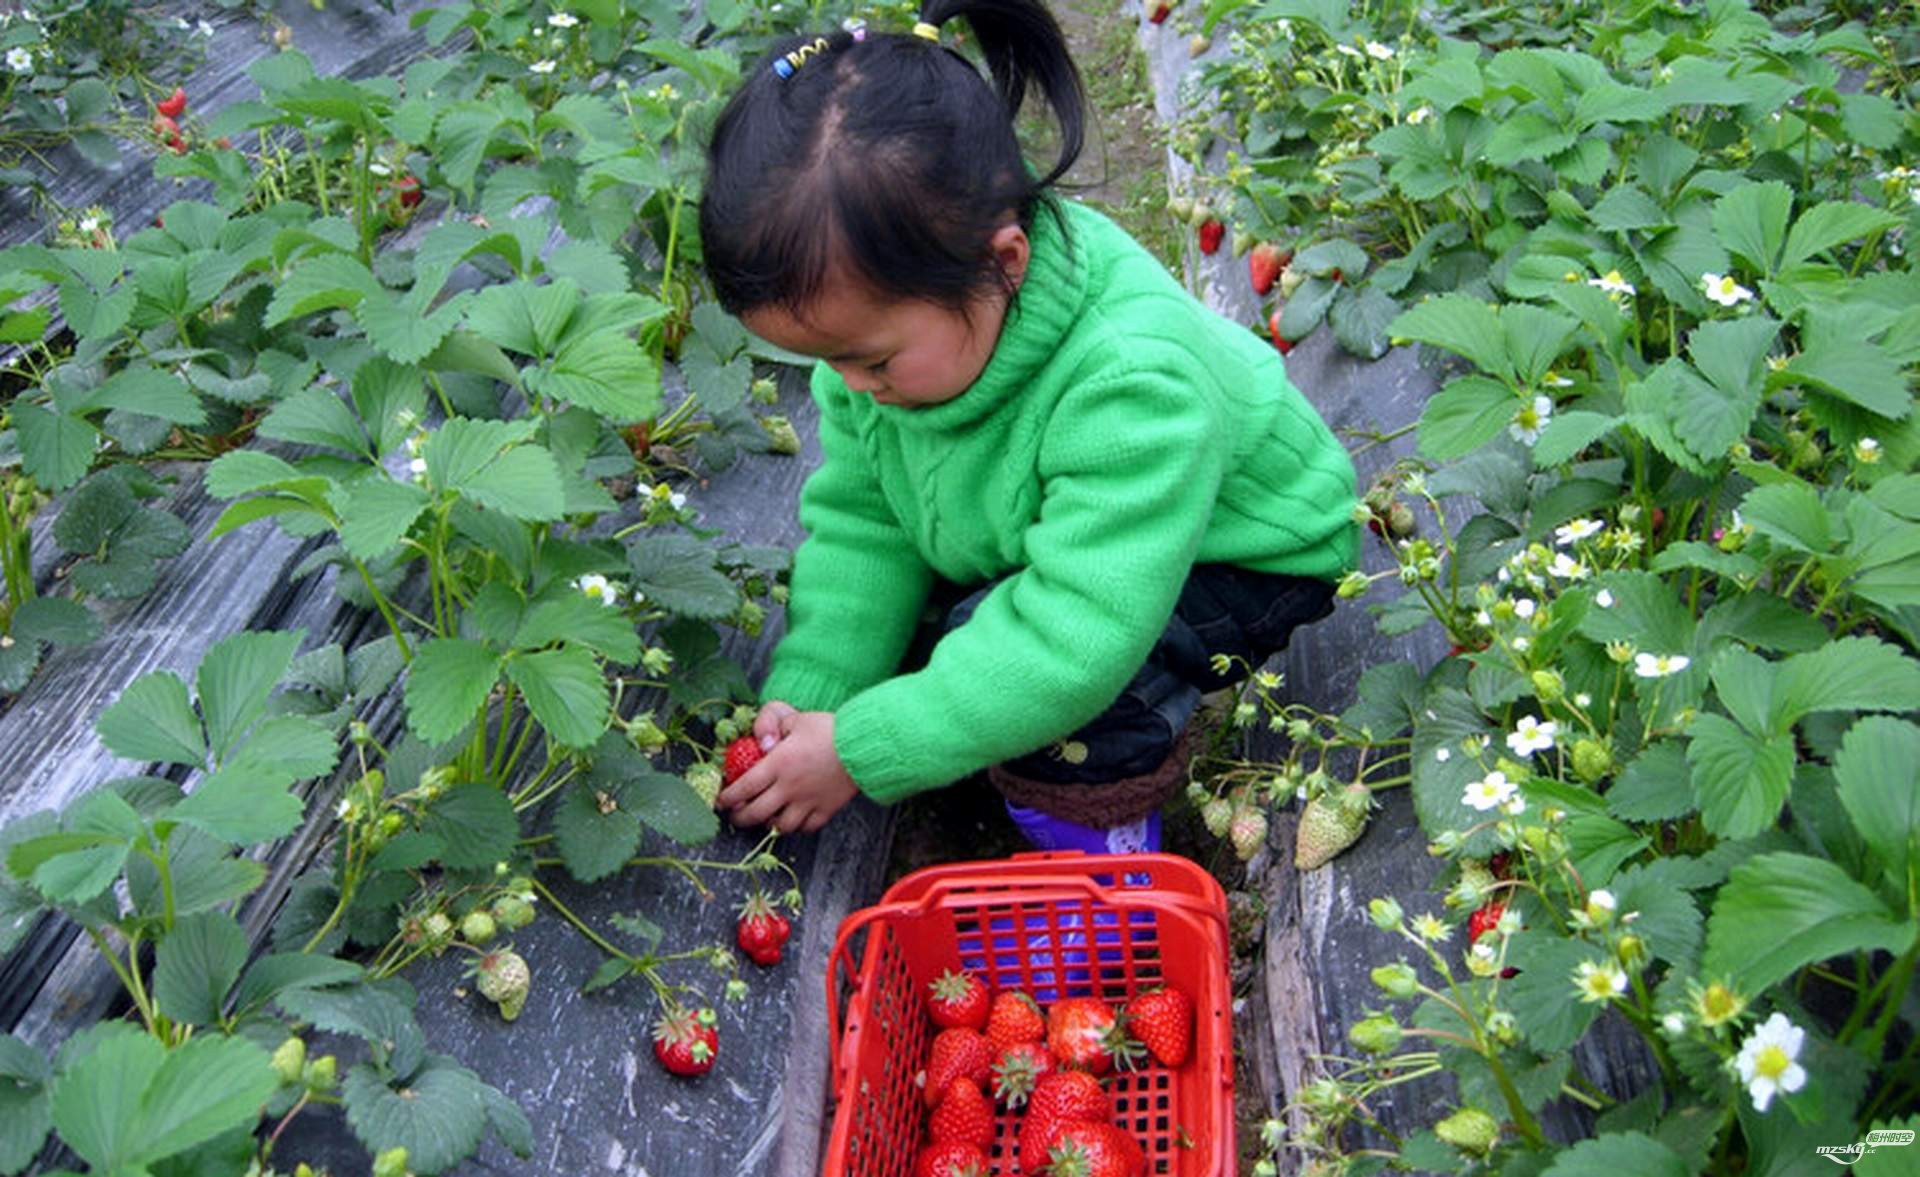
{"x": 1771, "y": 1063}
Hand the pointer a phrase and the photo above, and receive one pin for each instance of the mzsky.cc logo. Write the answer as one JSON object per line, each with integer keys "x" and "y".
{"x": 1847, "y": 1154}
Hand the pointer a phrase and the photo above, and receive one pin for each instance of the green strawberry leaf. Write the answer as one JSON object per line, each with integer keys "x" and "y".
{"x": 1781, "y": 911}
{"x": 196, "y": 963}
{"x": 438, "y": 1114}
{"x": 594, "y": 831}
{"x": 25, "y": 1114}
{"x": 153, "y": 720}
{"x": 476, "y": 822}
{"x": 447, "y": 685}
{"x": 566, "y": 692}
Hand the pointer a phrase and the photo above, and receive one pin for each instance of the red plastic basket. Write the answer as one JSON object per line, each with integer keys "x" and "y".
{"x": 1056, "y": 925}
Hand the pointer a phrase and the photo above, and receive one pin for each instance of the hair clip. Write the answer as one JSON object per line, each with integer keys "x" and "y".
{"x": 923, "y": 29}
{"x": 794, "y": 60}
{"x": 856, "y": 28}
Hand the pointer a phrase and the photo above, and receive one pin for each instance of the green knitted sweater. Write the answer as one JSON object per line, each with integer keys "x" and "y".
{"x": 1120, "y": 432}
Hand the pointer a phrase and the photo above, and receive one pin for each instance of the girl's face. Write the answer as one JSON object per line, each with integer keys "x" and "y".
{"x": 909, "y": 353}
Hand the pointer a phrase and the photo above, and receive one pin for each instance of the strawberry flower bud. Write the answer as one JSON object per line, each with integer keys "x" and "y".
{"x": 1386, "y": 914}
{"x": 321, "y": 1074}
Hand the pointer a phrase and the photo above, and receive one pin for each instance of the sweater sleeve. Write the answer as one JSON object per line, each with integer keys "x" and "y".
{"x": 858, "y": 581}
{"x": 1130, "y": 469}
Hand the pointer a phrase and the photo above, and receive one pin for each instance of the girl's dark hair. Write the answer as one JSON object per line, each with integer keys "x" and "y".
{"x": 890, "y": 155}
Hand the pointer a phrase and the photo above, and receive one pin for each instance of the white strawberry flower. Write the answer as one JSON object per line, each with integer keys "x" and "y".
{"x": 20, "y": 59}
{"x": 1524, "y": 608}
{"x": 1866, "y": 451}
{"x": 598, "y": 588}
{"x": 1442, "y": 755}
{"x": 1604, "y": 598}
{"x": 562, "y": 20}
{"x": 1575, "y": 530}
{"x": 1530, "y": 735}
{"x": 1659, "y": 665}
{"x": 1489, "y": 791}
{"x": 89, "y": 224}
{"x": 1583, "y": 700}
{"x": 1565, "y": 567}
{"x": 546, "y": 66}
{"x": 1379, "y": 52}
{"x": 1419, "y": 114}
{"x": 1530, "y": 420}
{"x": 1722, "y": 289}
{"x": 417, "y": 467}
{"x": 1767, "y": 1060}
{"x": 1599, "y": 981}
{"x": 1348, "y": 51}
{"x": 1614, "y": 284}
{"x": 204, "y": 28}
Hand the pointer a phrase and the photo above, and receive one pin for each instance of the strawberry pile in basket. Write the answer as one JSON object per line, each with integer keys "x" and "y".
{"x": 1045, "y": 1066}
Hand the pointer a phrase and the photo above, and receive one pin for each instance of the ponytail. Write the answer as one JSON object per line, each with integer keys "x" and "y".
{"x": 1023, "y": 44}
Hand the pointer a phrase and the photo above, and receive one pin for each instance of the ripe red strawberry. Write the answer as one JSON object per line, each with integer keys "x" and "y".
{"x": 1336, "y": 274}
{"x": 762, "y": 930}
{"x": 1280, "y": 341}
{"x": 407, "y": 191}
{"x": 686, "y": 1041}
{"x": 1482, "y": 921}
{"x": 955, "y": 1158}
{"x": 957, "y": 999}
{"x": 174, "y": 105}
{"x": 1498, "y": 864}
{"x": 742, "y": 754}
{"x": 1159, "y": 10}
{"x": 223, "y": 143}
{"x": 1059, "y": 1097}
{"x": 164, "y": 125}
{"x": 964, "y": 1114}
{"x": 957, "y": 1053}
{"x": 1015, "y": 1017}
{"x": 1163, "y": 1020}
{"x": 1264, "y": 263}
{"x": 1019, "y": 1071}
{"x": 1092, "y": 1148}
{"x": 1212, "y": 231}
{"x": 1085, "y": 1033}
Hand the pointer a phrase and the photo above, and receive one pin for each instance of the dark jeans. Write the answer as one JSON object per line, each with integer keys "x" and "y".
{"x": 1223, "y": 609}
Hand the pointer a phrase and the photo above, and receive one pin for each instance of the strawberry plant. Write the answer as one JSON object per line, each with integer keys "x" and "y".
{"x": 1661, "y": 523}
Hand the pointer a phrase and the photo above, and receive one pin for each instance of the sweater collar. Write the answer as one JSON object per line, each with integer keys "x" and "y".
{"x": 1049, "y": 301}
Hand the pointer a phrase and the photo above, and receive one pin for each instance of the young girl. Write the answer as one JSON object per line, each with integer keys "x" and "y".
{"x": 1015, "y": 399}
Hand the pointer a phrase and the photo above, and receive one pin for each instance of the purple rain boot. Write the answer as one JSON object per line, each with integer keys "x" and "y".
{"x": 1043, "y": 831}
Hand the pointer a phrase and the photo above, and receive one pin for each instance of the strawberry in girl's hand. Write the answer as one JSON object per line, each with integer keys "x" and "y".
{"x": 957, "y": 999}
{"x": 1013, "y": 1018}
{"x": 957, "y": 1053}
{"x": 686, "y": 1041}
{"x": 1264, "y": 263}
{"x": 742, "y": 754}
{"x": 1019, "y": 1071}
{"x": 1085, "y": 1034}
{"x": 173, "y": 105}
{"x": 955, "y": 1158}
{"x": 1212, "y": 232}
{"x": 762, "y": 930}
{"x": 964, "y": 1114}
{"x": 1163, "y": 1020}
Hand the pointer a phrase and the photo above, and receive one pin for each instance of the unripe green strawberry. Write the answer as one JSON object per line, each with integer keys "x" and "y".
{"x": 320, "y": 1074}
{"x": 1378, "y": 1034}
{"x": 1217, "y": 813}
{"x": 1328, "y": 825}
{"x": 1591, "y": 760}
{"x": 512, "y": 912}
{"x": 1199, "y": 214}
{"x": 391, "y": 1163}
{"x": 290, "y": 1060}
{"x": 781, "y": 435}
{"x": 1397, "y": 979}
{"x": 1181, "y": 207}
{"x": 1470, "y": 1130}
{"x": 1247, "y": 831}
{"x": 704, "y": 779}
{"x": 437, "y": 928}
{"x": 477, "y": 928}
{"x": 1290, "y": 280}
{"x": 503, "y": 978}
{"x": 764, "y": 390}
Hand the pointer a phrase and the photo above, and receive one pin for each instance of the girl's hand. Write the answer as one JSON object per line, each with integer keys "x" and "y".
{"x": 797, "y": 785}
{"x": 767, "y": 724}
